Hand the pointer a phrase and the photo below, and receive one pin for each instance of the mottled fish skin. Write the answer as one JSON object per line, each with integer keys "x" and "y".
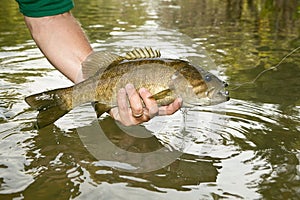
{"x": 106, "y": 73}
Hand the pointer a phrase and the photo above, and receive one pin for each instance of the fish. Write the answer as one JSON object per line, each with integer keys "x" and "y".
{"x": 106, "y": 73}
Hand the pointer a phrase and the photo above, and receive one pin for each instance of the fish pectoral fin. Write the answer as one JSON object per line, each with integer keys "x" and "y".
{"x": 100, "y": 108}
{"x": 142, "y": 53}
{"x": 161, "y": 94}
{"x": 97, "y": 62}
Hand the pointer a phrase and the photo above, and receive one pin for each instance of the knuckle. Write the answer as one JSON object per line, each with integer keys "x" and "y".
{"x": 122, "y": 105}
{"x": 153, "y": 111}
{"x": 137, "y": 110}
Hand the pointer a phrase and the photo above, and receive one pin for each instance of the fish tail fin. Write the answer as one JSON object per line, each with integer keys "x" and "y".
{"x": 51, "y": 105}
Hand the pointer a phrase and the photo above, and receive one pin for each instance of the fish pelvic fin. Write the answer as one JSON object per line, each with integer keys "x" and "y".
{"x": 51, "y": 105}
{"x": 100, "y": 108}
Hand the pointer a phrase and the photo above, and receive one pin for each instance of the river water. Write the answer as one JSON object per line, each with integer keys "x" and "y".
{"x": 246, "y": 148}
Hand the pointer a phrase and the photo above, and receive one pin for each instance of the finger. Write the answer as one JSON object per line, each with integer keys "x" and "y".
{"x": 150, "y": 103}
{"x": 123, "y": 108}
{"x": 134, "y": 100}
{"x": 114, "y": 113}
{"x": 171, "y": 108}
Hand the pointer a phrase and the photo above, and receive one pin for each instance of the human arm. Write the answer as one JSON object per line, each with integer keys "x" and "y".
{"x": 62, "y": 41}
{"x": 65, "y": 45}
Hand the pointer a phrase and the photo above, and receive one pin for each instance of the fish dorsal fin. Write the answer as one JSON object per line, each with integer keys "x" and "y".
{"x": 97, "y": 62}
{"x": 142, "y": 53}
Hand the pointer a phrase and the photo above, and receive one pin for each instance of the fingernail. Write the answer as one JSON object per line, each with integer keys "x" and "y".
{"x": 180, "y": 100}
{"x": 129, "y": 86}
{"x": 122, "y": 90}
{"x": 143, "y": 90}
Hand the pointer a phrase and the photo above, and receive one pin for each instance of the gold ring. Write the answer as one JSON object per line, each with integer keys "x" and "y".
{"x": 138, "y": 115}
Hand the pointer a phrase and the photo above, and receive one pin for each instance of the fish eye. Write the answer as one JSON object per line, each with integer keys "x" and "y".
{"x": 208, "y": 78}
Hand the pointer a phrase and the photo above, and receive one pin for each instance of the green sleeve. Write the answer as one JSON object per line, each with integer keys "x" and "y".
{"x": 42, "y": 8}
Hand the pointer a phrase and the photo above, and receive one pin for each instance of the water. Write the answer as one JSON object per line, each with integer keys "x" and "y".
{"x": 247, "y": 148}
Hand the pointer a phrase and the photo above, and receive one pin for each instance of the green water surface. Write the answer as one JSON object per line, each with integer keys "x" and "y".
{"x": 247, "y": 148}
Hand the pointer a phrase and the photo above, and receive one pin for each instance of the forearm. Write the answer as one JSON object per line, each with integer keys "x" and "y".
{"x": 65, "y": 45}
{"x": 62, "y": 41}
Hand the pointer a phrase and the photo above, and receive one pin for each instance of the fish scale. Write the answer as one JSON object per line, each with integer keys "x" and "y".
{"x": 106, "y": 73}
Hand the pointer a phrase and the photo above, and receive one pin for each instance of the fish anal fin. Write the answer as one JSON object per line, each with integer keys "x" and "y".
{"x": 142, "y": 53}
{"x": 100, "y": 108}
{"x": 48, "y": 116}
{"x": 161, "y": 94}
{"x": 97, "y": 62}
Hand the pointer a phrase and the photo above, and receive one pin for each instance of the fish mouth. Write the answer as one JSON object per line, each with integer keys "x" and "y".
{"x": 224, "y": 94}
{"x": 219, "y": 95}
{"x": 213, "y": 95}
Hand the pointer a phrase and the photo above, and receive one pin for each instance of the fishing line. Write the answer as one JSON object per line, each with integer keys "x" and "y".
{"x": 266, "y": 70}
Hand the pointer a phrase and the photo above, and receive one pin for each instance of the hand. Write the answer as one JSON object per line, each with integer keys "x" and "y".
{"x": 136, "y": 113}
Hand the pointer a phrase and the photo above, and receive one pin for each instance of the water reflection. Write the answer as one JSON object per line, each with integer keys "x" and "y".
{"x": 247, "y": 148}
{"x": 54, "y": 156}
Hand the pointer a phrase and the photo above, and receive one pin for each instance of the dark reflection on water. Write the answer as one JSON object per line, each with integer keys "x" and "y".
{"x": 65, "y": 166}
{"x": 247, "y": 148}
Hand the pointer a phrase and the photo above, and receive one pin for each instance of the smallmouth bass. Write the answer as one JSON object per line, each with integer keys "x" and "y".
{"x": 106, "y": 73}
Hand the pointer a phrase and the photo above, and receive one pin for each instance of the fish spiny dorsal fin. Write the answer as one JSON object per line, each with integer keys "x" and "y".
{"x": 142, "y": 53}
{"x": 97, "y": 62}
